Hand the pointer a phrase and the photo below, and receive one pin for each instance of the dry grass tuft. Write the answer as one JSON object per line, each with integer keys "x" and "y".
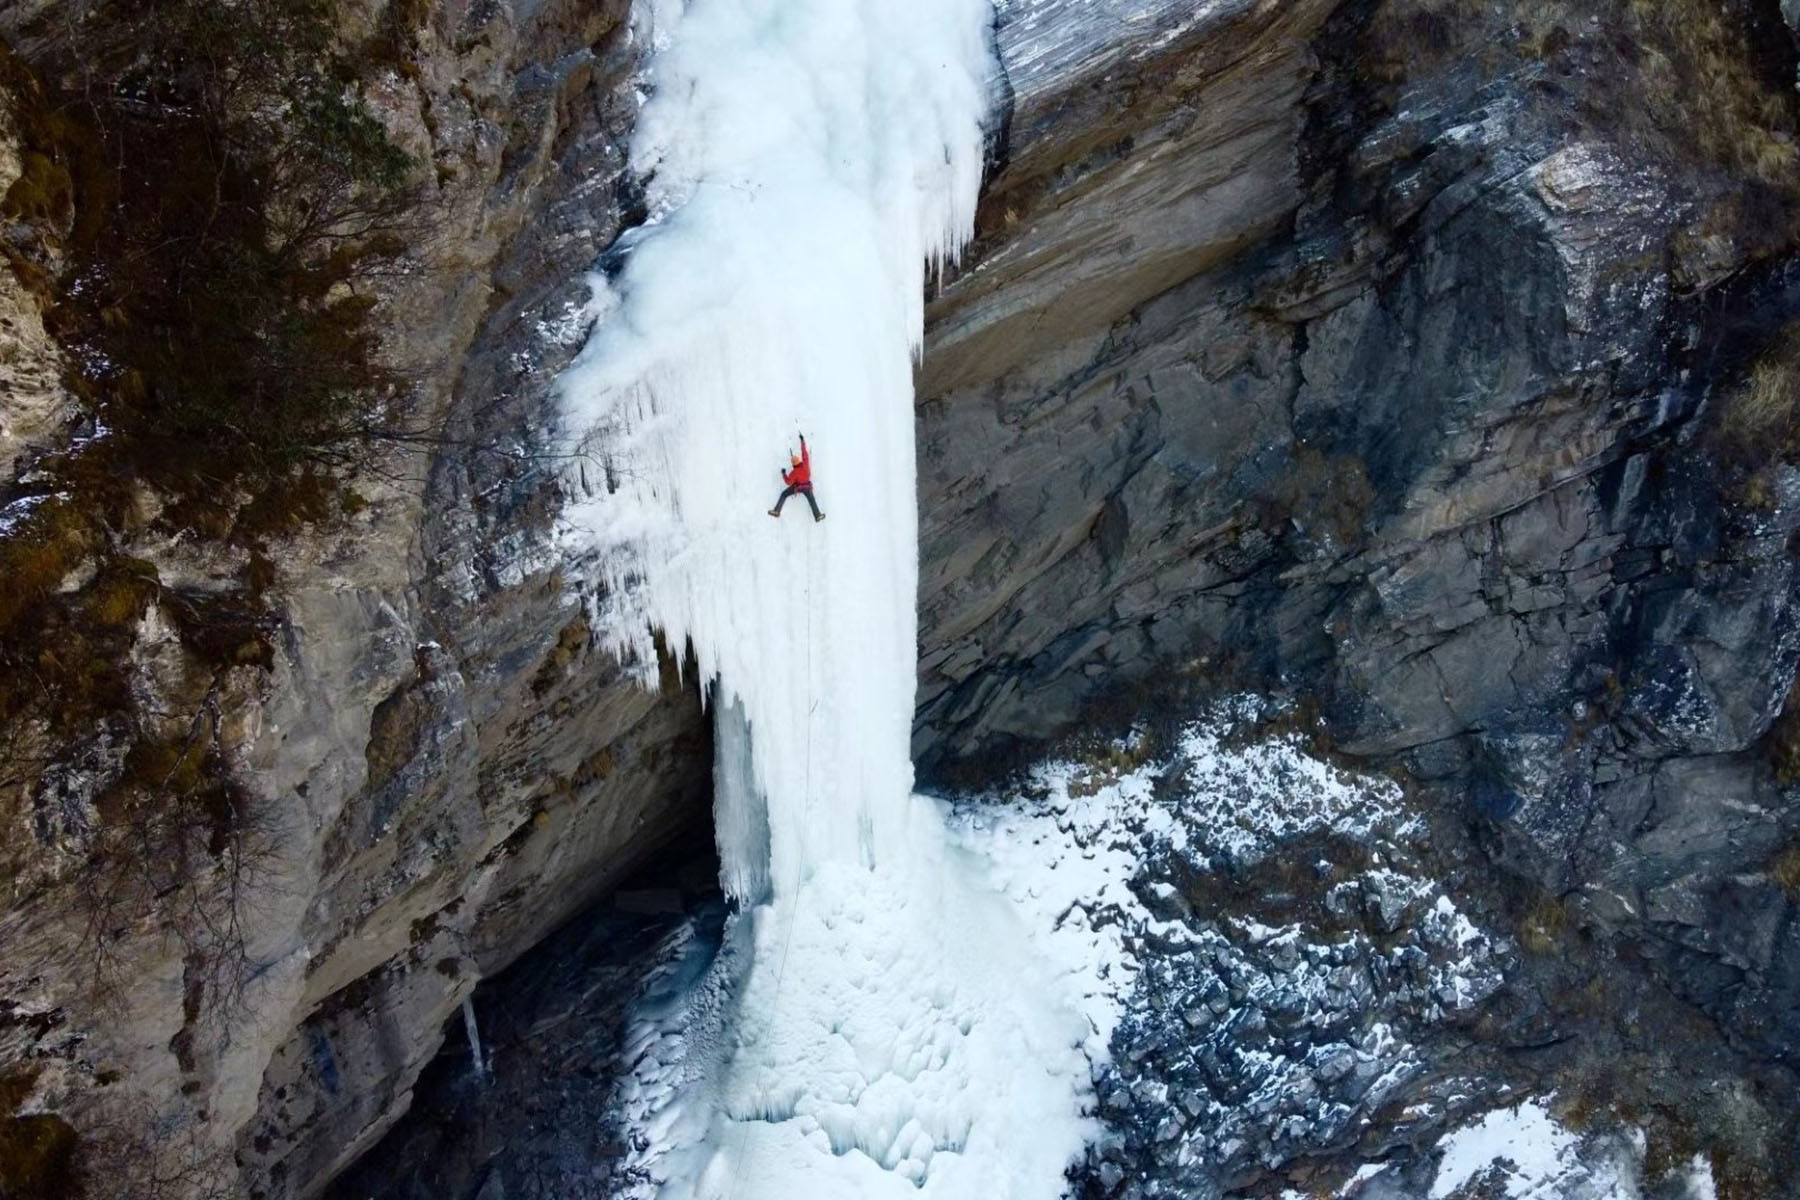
{"x": 1693, "y": 70}
{"x": 1542, "y": 924}
{"x": 1758, "y": 420}
{"x": 1688, "y": 78}
{"x": 1104, "y": 763}
{"x": 1329, "y": 496}
{"x": 44, "y": 191}
{"x": 1784, "y": 869}
{"x": 36, "y": 555}
{"x": 1781, "y": 745}
{"x": 119, "y": 596}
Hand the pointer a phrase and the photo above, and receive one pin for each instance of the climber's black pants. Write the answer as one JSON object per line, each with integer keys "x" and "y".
{"x": 804, "y": 489}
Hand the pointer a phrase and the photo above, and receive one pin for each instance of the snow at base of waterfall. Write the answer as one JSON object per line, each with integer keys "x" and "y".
{"x": 893, "y": 1031}
{"x": 870, "y": 1064}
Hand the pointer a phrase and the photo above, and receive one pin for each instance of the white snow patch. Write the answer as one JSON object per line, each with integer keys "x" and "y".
{"x": 1457, "y": 927}
{"x": 14, "y": 514}
{"x": 569, "y": 325}
{"x": 851, "y": 1055}
{"x": 1067, "y": 861}
{"x": 1700, "y": 1183}
{"x": 1352, "y": 1187}
{"x": 1524, "y": 1141}
{"x": 1533, "y": 1155}
{"x": 1248, "y": 800}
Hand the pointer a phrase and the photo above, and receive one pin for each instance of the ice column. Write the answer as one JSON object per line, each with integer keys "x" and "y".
{"x": 808, "y": 162}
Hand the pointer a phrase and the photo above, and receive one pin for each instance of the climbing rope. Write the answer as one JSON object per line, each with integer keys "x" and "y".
{"x": 806, "y": 804}
{"x": 787, "y": 939}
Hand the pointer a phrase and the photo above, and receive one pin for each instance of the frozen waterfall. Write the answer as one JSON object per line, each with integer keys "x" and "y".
{"x": 807, "y": 163}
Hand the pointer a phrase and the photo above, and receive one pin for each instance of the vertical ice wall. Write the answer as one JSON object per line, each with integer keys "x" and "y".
{"x": 808, "y": 161}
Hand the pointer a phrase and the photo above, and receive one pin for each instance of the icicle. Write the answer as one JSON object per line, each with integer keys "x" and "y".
{"x": 468, "y": 1011}
{"x": 740, "y": 814}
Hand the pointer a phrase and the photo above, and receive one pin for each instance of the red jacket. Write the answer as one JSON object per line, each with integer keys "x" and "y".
{"x": 801, "y": 475}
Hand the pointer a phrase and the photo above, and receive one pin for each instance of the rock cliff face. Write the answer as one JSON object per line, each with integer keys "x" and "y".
{"x": 445, "y": 766}
{"x": 1432, "y": 411}
{"x": 1410, "y": 383}
{"x": 1412, "y": 356}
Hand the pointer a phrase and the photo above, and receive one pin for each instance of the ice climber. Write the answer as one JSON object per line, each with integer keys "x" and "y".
{"x": 798, "y": 479}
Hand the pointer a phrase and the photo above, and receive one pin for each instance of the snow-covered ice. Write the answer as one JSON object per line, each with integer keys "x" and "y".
{"x": 1066, "y": 860}
{"x": 1700, "y": 1183}
{"x": 1250, "y": 800}
{"x": 14, "y": 514}
{"x": 1524, "y": 1143}
{"x": 1525, "y": 1153}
